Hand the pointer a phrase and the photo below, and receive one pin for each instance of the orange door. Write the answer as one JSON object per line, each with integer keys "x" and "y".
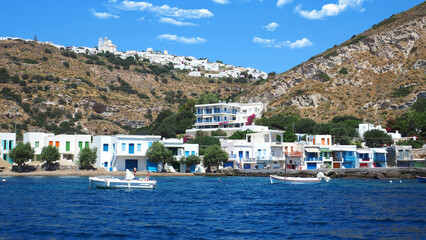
{"x": 50, "y": 143}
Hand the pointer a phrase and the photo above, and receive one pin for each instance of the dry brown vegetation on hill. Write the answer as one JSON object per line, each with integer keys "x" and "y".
{"x": 374, "y": 75}
{"x": 45, "y": 88}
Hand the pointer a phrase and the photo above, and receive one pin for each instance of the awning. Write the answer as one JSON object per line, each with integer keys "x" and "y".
{"x": 325, "y": 150}
{"x": 312, "y": 150}
{"x": 380, "y": 150}
{"x": 363, "y": 151}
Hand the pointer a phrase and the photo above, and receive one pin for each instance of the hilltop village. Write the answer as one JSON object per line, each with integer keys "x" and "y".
{"x": 196, "y": 67}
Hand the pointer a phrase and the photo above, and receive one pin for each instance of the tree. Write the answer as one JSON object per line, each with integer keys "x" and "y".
{"x": 188, "y": 106}
{"x": 35, "y": 38}
{"x": 376, "y": 138}
{"x": 240, "y": 134}
{"x": 289, "y": 137}
{"x": 207, "y": 98}
{"x": 205, "y": 142}
{"x": 87, "y": 157}
{"x": 49, "y": 155}
{"x": 214, "y": 156}
{"x": 190, "y": 160}
{"x": 159, "y": 153}
{"x": 21, "y": 153}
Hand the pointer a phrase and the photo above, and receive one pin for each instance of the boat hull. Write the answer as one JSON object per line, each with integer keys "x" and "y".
{"x": 421, "y": 179}
{"x": 293, "y": 180}
{"x": 120, "y": 183}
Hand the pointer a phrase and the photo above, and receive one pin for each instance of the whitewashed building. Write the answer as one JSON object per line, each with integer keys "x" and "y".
{"x": 121, "y": 152}
{"x": 259, "y": 150}
{"x": 69, "y": 145}
{"x": 8, "y": 142}
{"x": 229, "y": 117}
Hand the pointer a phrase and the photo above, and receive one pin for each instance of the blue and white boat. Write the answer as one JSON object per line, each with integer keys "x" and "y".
{"x": 128, "y": 182}
{"x": 298, "y": 180}
{"x": 421, "y": 179}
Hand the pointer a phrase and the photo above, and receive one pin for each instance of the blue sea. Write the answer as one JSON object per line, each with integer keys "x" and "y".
{"x": 212, "y": 208}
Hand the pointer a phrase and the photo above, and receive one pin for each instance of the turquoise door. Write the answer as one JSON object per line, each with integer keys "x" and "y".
{"x": 152, "y": 166}
{"x": 312, "y": 166}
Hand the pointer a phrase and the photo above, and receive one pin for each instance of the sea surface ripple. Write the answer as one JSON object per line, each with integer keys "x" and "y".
{"x": 212, "y": 208}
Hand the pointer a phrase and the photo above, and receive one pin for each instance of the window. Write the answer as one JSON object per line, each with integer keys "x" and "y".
{"x": 50, "y": 143}
{"x": 80, "y": 145}
{"x": 105, "y": 164}
{"x": 4, "y": 145}
{"x": 123, "y": 147}
{"x": 67, "y": 146}
{"x": 105, "y": 147}
{"x": 139, "y": 147}
{"x": 192, "y": 152}
{"x": 186, "y": 153}
{"x": 57, "y": 144}
{"x": 86, "y": 145}
{"x": 37, "y": 144}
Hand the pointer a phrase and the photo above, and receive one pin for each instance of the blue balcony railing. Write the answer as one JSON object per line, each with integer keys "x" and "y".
{"x": 312, "y": 159}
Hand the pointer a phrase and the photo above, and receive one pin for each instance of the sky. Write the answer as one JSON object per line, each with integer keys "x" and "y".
{"x": 269, "y": 35}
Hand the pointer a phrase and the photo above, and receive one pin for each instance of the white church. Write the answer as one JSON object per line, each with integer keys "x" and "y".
{"x": 106, "y": 45}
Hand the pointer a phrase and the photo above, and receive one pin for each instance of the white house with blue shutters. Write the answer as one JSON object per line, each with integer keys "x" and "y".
{"x": 8, "y": 142}
{"x": 69, "y": 145}
{"x": 121, "y": 152}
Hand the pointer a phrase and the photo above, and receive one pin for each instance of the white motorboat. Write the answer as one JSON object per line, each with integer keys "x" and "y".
{"x": 298, "y": 180}
{"x": 128, "y": 182}
{"x": 293, "y": 180}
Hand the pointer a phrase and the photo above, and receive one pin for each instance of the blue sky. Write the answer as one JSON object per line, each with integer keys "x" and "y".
{"x": 270, "y": 35}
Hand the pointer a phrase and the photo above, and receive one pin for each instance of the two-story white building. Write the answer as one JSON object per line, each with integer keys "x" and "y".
{"x": 258, "y": 150}
{"x": 69, "y": 145}
{"x": 121, "y": 152}
{"x": 8, "y": 142}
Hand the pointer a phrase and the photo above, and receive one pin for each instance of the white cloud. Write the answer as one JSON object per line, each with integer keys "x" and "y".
{"x": 104, "y": 15}
{"x": 169, "y": 37}
{"x": 331, "y": 9}
{"x": 165, "y": 10}
{"x": 140, "y": 19}
{"x": 271, "y": 27}
{"x": 301, "y": 43}
{"x": 304, "y": 42}
{"x": 281, "y": 3}
{"x": 176, "y": 22}
{"x": 221, "y": 1}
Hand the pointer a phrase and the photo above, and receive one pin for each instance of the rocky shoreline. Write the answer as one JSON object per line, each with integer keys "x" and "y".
{"x": 370, "y": 173}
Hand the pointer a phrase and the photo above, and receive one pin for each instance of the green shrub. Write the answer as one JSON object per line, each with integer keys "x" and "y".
{"x": 356, "y": 39}
{"x": 66, "y": 64}
{"x": 402, "y": 91}
{"x": 330, "y": 54}
{"x": 343, "y": 70}
{"x": 30, "y": 61}
{"x": 46, "y": 50}
{"x": 323, "y": 76}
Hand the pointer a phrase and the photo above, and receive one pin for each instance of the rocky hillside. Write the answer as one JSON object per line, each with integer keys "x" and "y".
{"x": 45, "y": 88}
{"x": 374, "y": 75}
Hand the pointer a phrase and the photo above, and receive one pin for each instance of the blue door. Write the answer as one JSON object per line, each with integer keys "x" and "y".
{"x": 246, "y": 165}
{"x": 228, "y": 164}
{"x": 240, "y": 154}
{"x": 152, "y": 166}
{"x": 131, "y": 163}
{"x": 312, "y": 166}
{"x": 192, "y": 168}
{"x": 131, "y": 148}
